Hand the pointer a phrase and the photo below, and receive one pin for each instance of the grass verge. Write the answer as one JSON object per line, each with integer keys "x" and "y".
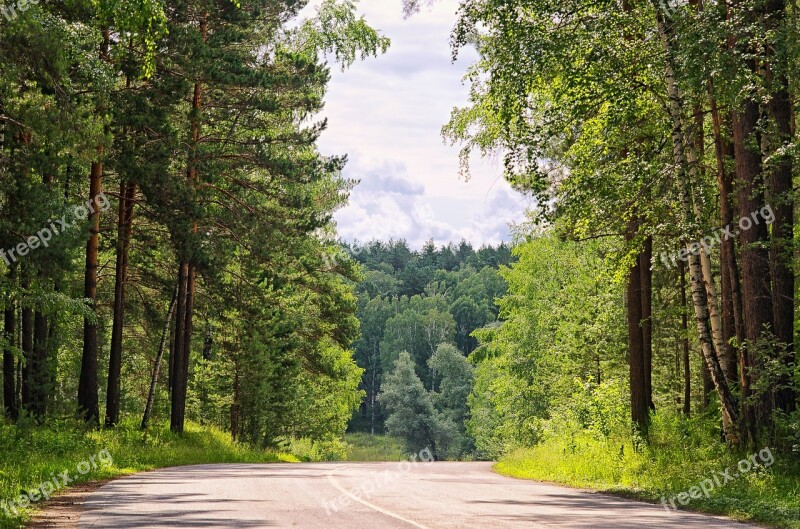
{"x": 367, "y": 448}
{"x": 34, "y": 459}
{"x": 661, "y": 472}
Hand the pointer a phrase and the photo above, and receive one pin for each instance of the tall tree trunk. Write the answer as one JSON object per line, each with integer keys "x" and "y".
{"x": 732, "y": 322}
{"x": 39, "y": 372}
{"x": 756, "y": 291}
{"x": 687, "y": 372}
{"x": 151, "y": 395}
{"x": 646, "y": 270}
{"x": 188, "y": 330}
{"x": 698, "y": 287}
{"x": 640, "y": 407}
{"x": 733, "y": 309}
{"x": 127, "y": 193}
{"x": 88, "y": 402}
{"x": 9, "y": 382}
{"x": 753, "y": 235}
{"x": 181, "y": 372}
{"x": 236, "y": 427}
{"x": 27, "y": 353}
{"x": 178, "y": 403}
{"x": 781, "y": 197}
{"x": 695, "y": 148}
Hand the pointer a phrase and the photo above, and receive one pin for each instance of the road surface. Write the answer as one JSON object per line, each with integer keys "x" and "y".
{"x": 364, "y": 496}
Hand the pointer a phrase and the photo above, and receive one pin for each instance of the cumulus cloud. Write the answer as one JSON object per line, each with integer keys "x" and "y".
{"x": 390, "y": 204}
{"x": 390, "y": 177}
{"x": 386, "y": 113}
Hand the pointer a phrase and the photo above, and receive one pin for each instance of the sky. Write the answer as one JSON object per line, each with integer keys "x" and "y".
{"x": 386, "y": 114}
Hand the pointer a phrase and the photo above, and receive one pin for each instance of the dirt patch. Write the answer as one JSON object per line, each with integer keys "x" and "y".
{"x": 64, "y": 511}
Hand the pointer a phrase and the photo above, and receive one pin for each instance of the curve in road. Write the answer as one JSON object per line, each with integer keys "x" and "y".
{"x": 364, "y": 496}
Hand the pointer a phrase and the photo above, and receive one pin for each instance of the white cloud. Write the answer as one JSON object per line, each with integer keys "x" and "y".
{"x": 387, "y": 114}
{"x": 391, "y": 205}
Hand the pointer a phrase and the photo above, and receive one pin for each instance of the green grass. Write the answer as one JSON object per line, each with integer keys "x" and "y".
{"x": 663, "y": 470}
{"x": 31, "y": 456}
{"x": 365, "y": 447}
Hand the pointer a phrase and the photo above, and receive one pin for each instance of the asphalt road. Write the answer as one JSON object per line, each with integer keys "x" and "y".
{"x": 364, "y": 496}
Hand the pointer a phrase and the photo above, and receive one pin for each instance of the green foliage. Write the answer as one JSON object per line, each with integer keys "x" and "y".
{"x": 561, "y": 324}
{"x": 209, "y": 111}
{"x": 595, "y": 410}
{"x": 414, "y": 301}
{"x": 409, "y": 407}
{"x": 593, "y": 106}
{"x": 307, "y": 449}
{"x": 337, "y": 29}
{"x": 417, "y": 331}
{"x": 456, "y": 379}
{"x": 430, "y": 419}
{"x": 682, "y": 453}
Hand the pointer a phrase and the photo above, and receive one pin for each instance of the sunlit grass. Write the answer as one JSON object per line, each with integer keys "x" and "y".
{"x": 673, "y": 463}
{"x": 366, "y": 447}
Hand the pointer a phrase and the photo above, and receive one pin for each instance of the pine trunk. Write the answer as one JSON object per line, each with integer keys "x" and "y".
{"x": 151, "y": 395}
{"x": 646, "y": 270}
{"x": 125, "y": 221}
{"x": 39, "y": 369}
{"x": 88, "y": 403}
{"x": 182, "y": 356}
{"x": 781, "y": 197}
{"x": 640, "y": 413}
{"x": 754, "y": 242}
{"x": 178, "y": 402}
{"x": 27, "y": 356}
{"x": 88, "y": 400}
{"x": 9, "y": 382}
{"x": 732, "y": 321}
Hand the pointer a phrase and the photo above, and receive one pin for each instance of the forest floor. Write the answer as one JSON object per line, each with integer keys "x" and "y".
{"x": 52, "y": 466}
{"x": 707, "y": 480}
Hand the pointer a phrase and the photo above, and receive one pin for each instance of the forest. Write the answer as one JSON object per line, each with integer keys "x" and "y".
{"x": 161, "y": 189}
{"x": 418, "y": 312}
{"x": 171, "y": 271}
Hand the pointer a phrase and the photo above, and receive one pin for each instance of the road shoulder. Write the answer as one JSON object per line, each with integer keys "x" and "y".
{"x": 64, "y": 511}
